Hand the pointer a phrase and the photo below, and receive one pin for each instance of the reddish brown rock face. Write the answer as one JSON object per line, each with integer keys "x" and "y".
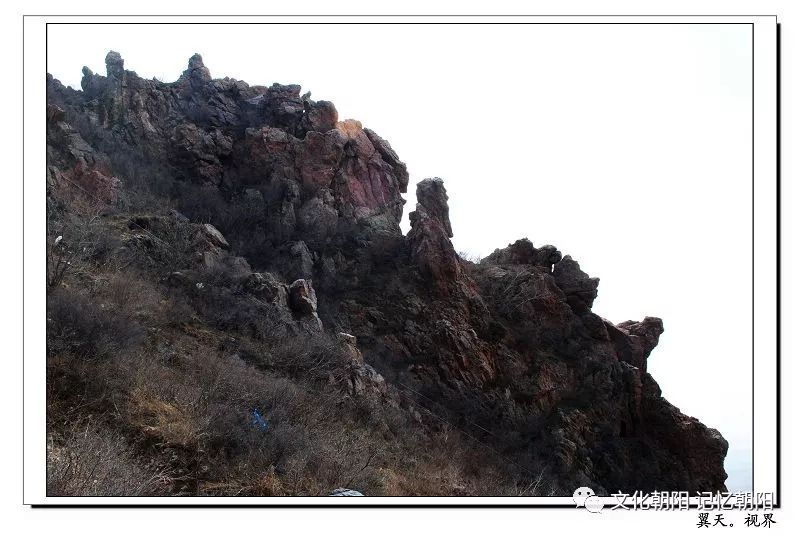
{"x": 367, "y": 184}
{"x": 319, "y": 158}
{"x": 339, "y": 170}
{"x": 508, "y": 346}
{"x": 430, "y": 234}
{"x": 434, "y": 253}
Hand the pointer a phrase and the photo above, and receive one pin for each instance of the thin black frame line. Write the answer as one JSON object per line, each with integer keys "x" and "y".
{"x": 341, "y": 15}
{"x": 778, "y": 263}
{"x": 23, "y": 259}
{"x": 409, "y": 23}
{"x": 332, "y": 506}
{"x": 493, "y": 506}
{"x": 295, "y": 506}
{"x": 753, "y": 259}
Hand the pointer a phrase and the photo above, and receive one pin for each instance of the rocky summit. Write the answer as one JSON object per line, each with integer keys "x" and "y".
{"x": 234, "y": 309}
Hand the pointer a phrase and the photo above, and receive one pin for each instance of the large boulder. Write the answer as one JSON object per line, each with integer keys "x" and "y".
{"x": 302, "y": 298}
{"x": 212, "y": 235}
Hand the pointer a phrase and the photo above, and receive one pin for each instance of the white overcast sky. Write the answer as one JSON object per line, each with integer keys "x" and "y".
{"x": 626, "y": 146}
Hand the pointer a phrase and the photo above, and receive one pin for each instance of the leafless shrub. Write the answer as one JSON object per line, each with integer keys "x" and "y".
{"x": 469, "y": 257}
{"x": 80, "y": 326}
{"x": 70, "y": 243}
{"x": 162, "y": 243}
{"x": 311, "y": 357}
{"x": 91, "y": 461}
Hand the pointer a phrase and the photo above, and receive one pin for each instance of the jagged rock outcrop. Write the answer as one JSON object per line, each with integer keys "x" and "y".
{"x": 523, "y": 252}
{"x": 266, "y": 287}
{"x": 634, "y": 341}
{"x": 73, "y": 162}
{"x": 580, "y": 289}
{"x": 273, "y": 188}
{"x": 361, "y": 379}
{"x": 321, "y": 177}
{"x": 429, "y": 238}
{"x": 302, "y": 298}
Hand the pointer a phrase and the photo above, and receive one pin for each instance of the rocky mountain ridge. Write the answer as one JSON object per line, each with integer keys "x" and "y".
{"x": 280, "y": 203}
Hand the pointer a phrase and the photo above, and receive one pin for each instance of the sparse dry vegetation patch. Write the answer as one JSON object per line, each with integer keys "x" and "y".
{"x": 152, "y": 389}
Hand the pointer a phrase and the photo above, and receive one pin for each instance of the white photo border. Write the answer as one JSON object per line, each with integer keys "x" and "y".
{"x": 764, "y": 299}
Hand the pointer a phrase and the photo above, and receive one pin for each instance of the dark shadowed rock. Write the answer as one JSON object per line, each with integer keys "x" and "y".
{"x": 581, "y": 290}
{"x": 303, "y": 303}
{"x": 266, "y": 287}
{"x": 320, "y": 116}
{"x": 635, "y": 340}
{"x": 302, "y": 298}
{"x": 523, "y": 252}
{"x": 647, "y": 331}
{"x": 54, "y": 113}
{"x": 213, "y": 235}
